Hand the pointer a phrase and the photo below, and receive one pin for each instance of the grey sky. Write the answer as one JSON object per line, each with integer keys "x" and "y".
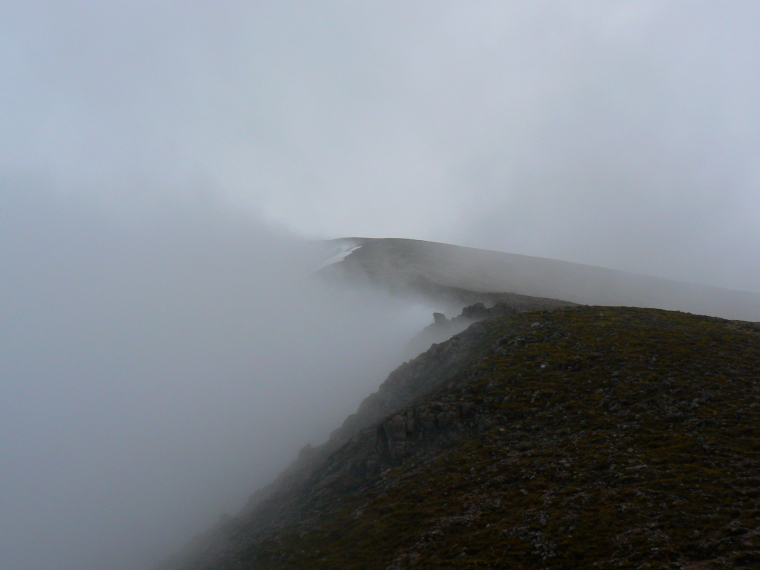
{"x": 147, "y": 147}
{"x": 623, "y": 134}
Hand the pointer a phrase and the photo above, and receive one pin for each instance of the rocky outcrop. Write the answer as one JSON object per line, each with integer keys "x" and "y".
{"x": 443, "y": 329}
{"x": 273, "y": 505}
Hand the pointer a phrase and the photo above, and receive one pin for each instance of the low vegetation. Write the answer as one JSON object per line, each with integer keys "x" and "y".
{"x": 582, "y": 437}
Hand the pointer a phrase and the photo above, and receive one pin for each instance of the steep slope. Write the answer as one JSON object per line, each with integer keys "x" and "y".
{"x": 573, "y": 438}
{"x": 462, "y": 276}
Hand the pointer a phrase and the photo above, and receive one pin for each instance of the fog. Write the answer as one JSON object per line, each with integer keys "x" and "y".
{"x": 164, "y": 164}
{"x": 154, "y": 374}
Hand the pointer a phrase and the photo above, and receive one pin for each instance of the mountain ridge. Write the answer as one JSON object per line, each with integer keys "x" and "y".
{"x": 543, "y": 433}
{"x": 459, "y": 276}
{"x": 579, "y": 436}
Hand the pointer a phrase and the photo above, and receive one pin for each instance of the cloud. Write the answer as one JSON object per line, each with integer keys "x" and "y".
{"x": 155, "y": 373}
{"x": 590, "y": 131}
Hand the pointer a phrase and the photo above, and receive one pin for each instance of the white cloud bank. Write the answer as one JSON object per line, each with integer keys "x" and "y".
{"x": 155, "y": 374}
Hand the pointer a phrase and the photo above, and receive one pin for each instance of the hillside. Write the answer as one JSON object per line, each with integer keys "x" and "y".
{"x": 569, "y": 438}
{"x": 458, "y": 276}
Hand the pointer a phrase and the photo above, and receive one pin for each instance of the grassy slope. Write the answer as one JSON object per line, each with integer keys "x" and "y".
{"x": 605, "y": 437}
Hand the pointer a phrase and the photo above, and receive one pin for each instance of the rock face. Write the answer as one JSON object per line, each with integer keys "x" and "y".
{"x": 443, "y": 329}
{"x": 575, "y": 438}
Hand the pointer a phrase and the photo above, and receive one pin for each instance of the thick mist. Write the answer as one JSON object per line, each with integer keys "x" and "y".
{"x": 154, "y": 373}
